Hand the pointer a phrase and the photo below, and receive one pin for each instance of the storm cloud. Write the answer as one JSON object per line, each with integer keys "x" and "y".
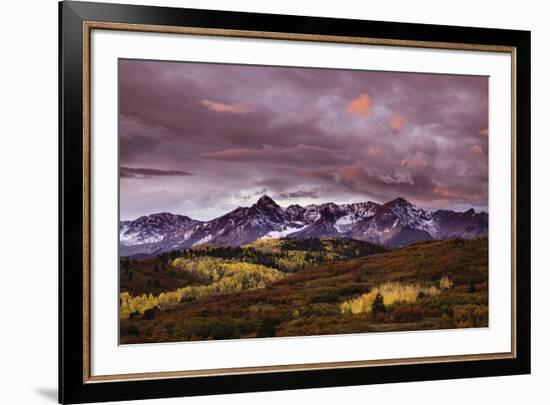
{"x": 201, "y": 139}
{"x": 145, "y": 172}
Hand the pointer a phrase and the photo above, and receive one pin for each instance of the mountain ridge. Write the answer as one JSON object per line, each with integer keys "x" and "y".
{"x": 395, "y": 223}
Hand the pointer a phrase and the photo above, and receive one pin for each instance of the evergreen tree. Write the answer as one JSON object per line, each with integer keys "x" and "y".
{"x": 266, "y": 328}
{"x": 126, "y": 265}
{"x": 378, "y": 306}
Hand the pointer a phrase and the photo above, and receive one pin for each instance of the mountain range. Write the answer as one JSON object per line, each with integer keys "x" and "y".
{"x": 395, "y": 223}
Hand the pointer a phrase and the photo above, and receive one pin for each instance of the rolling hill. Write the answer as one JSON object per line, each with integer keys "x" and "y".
{"x": 426, "y": 285}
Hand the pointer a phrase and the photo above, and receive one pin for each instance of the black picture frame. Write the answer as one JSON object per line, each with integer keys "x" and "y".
{"x": 73, "y": 387}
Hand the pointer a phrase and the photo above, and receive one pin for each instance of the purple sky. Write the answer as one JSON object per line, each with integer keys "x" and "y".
{"x": 201, "y": 139}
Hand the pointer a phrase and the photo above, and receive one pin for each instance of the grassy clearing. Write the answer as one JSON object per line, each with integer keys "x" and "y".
{"x": 390, "y": 293}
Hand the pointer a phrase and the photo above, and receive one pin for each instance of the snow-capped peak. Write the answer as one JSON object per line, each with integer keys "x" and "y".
{"x": 391, "y": 223}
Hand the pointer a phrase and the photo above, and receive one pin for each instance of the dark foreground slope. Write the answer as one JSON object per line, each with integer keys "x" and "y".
{"x": 427, "y": 285}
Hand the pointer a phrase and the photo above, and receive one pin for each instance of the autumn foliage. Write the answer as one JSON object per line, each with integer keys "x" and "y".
{"x": 303, "y": 287}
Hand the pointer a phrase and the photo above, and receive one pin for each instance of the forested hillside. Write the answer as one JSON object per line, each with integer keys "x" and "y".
{"x": 303, "y": 287}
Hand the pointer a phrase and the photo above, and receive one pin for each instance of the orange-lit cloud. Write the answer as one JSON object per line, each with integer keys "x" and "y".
{"x": 373, "y": 151}
{"x": 441, "y": 202}
{"x": 353, "y": 173}
{"x": 476, "y": 150}
{"x": 448, "y": 192}
{"x": 360, "y": 106}
{"x": 417, "y": 161}
{"x": 235, "y": 108}
{"x": 484, "y": 132}
{"x": 396, "y": 121}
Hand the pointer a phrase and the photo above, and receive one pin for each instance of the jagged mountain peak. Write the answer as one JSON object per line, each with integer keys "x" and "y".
{"x": 265, "y": 200}
{"x": 394, "y": 223}
{"x": 365, "y": 204}
{"x": 167, "y": 215}
{"x": 399, "y": 201}
{"x": 330, "y": 207}
{"x": 160, "y": 216}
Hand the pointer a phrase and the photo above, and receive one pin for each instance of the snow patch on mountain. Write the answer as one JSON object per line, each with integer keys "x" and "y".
{"x": 394, "y": 222}
{"x": 204, "y": 240}
{"x": 137, "y": 238}
{"x": 345, "y": 223}
{"x": 282, "y": 233}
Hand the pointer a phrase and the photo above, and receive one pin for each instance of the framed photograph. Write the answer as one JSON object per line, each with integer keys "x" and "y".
{"x": 256, "y": 202}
